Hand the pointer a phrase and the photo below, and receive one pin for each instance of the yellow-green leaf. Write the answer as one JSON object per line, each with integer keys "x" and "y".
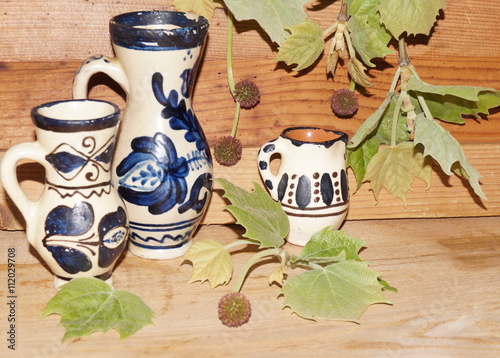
{"x": 303, "y": 46}
{"x": 340, "y": 291}
{"x": 357, "y": 72}
{"x": 278, "y": 275}
{"x": 274, "y": 16}
{"x": 211, "y": 262}
{"x": 205, "y": 8}
{"x": 410, "y": 16}
{"x": 395, "y": 168}
{"x": 88, "y": 305}
{"x": 263, "y": 218}
{"x": 439, "y": 144}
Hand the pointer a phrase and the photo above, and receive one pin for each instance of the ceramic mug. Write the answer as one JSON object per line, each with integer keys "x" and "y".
{"x": 311, "y": 181}
{"x": 79, "y": 224}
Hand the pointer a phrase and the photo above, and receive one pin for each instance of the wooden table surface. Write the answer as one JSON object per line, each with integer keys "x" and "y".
{"x": 447, "y": 272}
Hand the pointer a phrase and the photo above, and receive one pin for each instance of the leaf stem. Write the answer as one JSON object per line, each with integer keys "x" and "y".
{"x": 425, "y": 108}
{"x": 395, "y": 80}
{"x": 352, "y": 86}
{"x": 229, "y": 55}
{"x": 236, "y": 118}
{"x": 403, "y": 59}
{"x": 395, "y": 117}
{"x": 230, "y": 72}
{"x": 239, "y": 242}
{"x": 251, "y": 261}
{"x": 330, "y": 29}
{"x": 352, "y": 53}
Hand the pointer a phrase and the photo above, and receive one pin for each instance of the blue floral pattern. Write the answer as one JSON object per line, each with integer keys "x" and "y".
{"x": 180, "y": 118}
{"x": 152, "y": 175}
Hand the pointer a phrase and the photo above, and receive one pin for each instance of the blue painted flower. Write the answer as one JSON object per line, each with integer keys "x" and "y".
{"x": 152, "y": 175}
{"x": 180, "y": 118}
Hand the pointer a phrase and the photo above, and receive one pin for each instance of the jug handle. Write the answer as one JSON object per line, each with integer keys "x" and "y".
{"x": 8, "y": 167}
{"x": 271, "y": 180}
{"x": 98, "y": 64}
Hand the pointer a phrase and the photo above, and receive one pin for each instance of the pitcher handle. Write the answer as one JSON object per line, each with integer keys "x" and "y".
{"x": 98, "y": 64}
{"x": 8, "y": 167}
{"x": 264, "y": 158}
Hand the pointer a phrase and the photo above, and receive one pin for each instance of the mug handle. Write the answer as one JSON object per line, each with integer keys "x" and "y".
{"x": 8, "y": 173}
{"x": 98, "y": 64}
{"x": 264, "y": 158}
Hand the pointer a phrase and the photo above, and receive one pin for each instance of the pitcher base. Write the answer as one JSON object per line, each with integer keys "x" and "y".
{"x": 160, "y": 253}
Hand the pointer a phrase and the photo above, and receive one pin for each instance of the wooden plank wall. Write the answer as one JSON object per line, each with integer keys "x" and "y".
{"x": 43, "y": 42}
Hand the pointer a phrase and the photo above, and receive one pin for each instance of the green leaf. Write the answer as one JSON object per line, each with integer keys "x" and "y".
{"x": 450, "y": 103}
{"x": 386, "y": 286}
{"x": 328, "y": 246}
{"x": 263, "y": 218}
{"x": 439, "y": 144}
{"x": 211, "y": 262}
{"x": 395, "y": 168}
{"x": 274, "y": 16}
{"x": 303, "y": 46}
{"x": 470, "y": 93}
{"x": 87, "y": 305}
{"x": 384, "y": 130}
{"x": 369, "y": 37}
{"x": 341, "y": 291}
{"x": 205, "y": 8}
{"x": 371, "y": 123}
{"x": 410, "y": 16}
{"x": 359, "y": 158}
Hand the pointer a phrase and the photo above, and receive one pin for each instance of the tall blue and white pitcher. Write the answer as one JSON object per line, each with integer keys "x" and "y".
{"x": 162, "y": 165}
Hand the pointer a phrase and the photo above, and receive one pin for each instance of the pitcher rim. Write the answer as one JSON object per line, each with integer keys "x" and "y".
{"x": 341, "y": 136}
{"x": 75, "y": 125}
{"x": 191, "y": 32}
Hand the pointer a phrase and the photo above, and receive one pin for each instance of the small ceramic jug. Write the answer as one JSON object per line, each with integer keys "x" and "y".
{"x": 162, "y": 165}
{"x": 311, "y": 181}
{"x": 79, "y": 224}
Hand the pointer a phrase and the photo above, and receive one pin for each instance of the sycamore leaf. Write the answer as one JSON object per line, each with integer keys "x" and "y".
{"x": 205, "y": 8}
{"x": 87, "y": 305}
{"x": 340, "y": 291}
{"x": 359, "y": 157}
{"x": 450, "y": 103}
{"x": 410, "y": 16}
{"x": 384, "y": 129}
{"x": 371, "y": 123}
{"x": 328, "y": 246}
{"x": 278, "y": 275}
{"x": 386, "y": 286}
{"x": 395, "y": 168}
{"x": 211, "y": 262}
{"x": 439, "y": 144}
{"x": 369, "y": 37}
{"x": 303, "y": 46}
{"x": 357, "y": 72}
{"x": 263, "y": 218}
{"x": 274, "y": 16}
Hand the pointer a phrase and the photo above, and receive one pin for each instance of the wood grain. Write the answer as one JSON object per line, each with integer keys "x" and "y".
{"x": 446, "y": 271}
{"x": 55, "y": 30}
{"x": 447, "y": 197}
{"x": 43, "y": 43}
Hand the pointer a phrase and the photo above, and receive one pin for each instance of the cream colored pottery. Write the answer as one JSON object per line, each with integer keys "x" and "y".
{"x": 311, "y": 181}
{"x": 162, "y": 165}
{"x": 79, "y": 224}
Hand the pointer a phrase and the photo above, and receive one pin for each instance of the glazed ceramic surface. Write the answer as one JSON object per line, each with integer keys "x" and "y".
{"x": 311, "y": 181}
{"x": 79, "y": 224}
{"x": 162, "y": 165}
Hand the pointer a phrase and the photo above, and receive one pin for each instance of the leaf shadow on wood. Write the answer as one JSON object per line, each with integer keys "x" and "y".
{"x": 445, "y": 180}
